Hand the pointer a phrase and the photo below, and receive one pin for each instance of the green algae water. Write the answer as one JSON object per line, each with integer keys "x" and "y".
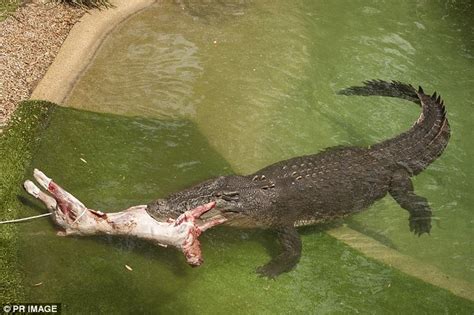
{"x": 188, "y": 90}
{"x": 111, "y": 162}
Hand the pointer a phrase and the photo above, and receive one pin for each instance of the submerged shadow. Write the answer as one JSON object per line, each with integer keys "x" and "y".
{"x": 171, "y": 257}
{"x": 112, "y": 162}
{"x": 31, "y": 203}
{"x": 361, "y": 228}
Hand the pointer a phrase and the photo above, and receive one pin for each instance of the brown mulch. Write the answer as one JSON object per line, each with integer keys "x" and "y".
{"x": 30, "y": 38}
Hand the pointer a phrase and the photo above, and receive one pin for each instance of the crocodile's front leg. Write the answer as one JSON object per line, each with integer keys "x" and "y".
{"x": 76, "y": 219}
{"x": 401, "y": 189}
{"x": 291, "y": 243}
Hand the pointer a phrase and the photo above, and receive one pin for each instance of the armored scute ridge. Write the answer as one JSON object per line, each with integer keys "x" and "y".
{"x": 331, "y": 184}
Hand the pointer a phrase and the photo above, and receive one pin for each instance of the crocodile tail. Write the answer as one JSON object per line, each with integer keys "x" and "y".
{"x": 424, "y": 142}
{"x": 383, "y": 88}
{"x": 434, "y": 128}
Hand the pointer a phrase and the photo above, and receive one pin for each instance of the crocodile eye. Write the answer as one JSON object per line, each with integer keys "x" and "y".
{"x": 230, "y": 198}
{"x": 231, "y": 193}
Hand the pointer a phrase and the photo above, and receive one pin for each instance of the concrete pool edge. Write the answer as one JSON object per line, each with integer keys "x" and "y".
{"x": 17, "y": 146}
{"x": 80, "y": 47}
{"x": 406, "y": 264}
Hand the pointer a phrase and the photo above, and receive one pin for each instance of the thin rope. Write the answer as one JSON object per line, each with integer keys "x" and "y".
{"x": 26, "y": 219}
{"x": 80, "y": 215}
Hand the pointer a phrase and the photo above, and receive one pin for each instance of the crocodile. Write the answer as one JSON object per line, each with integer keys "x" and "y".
{"x": 331, "y": 184}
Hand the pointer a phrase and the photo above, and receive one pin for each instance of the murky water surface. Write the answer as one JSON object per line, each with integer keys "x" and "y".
{"x": 189, "y": 90}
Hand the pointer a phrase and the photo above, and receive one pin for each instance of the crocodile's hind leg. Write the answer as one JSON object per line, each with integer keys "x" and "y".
{"x": 401, "y": 189}
{"x": 291, "y": 243}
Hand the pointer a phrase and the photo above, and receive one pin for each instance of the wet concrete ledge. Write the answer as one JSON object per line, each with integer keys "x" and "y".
{"x": 80, "y": 47}
{"x": 409, "y": 265}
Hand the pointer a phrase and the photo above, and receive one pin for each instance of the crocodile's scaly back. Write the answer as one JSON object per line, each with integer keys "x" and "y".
{"x": 424, "y": 142}
{"x": 331, "y": 184}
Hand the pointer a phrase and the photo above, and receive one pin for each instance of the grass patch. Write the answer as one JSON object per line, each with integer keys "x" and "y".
{"x": 8, "y": 6}
{"x": 17, "y": 145}
{"x": 88, "y": 4}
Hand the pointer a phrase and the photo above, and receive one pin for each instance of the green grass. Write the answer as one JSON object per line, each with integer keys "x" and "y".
{"x": 8, "y": 6}
{"x": 17, "y": 145}
{"x": 88, "y": 4}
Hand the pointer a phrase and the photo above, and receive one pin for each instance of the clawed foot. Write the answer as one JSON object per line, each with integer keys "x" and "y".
{"x": 277, "y": 266}
{"x": 282, "y": 263}
{"x": 420, "y": 222}
{"x": 270, "y": 270}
